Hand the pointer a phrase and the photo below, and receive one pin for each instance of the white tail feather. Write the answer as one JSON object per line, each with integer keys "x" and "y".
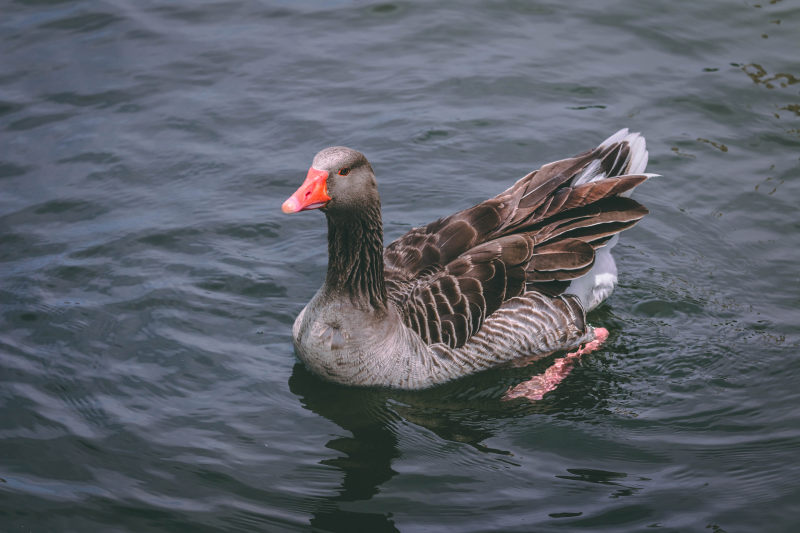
{"x": 635, "y": 164}
{"x": 596, "y": 285}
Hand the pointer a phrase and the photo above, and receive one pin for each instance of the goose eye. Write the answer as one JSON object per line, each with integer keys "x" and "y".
{"x": 344, "y": 171}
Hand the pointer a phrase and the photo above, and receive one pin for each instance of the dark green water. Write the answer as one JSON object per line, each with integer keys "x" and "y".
{"x": 148, "y": 280}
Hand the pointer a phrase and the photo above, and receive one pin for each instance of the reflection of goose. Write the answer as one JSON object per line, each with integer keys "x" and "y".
{"x": 364, "y": 457}
{"x": 510, "y": 277}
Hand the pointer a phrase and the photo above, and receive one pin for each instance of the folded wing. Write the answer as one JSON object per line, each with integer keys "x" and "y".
{"x": 541, "y": 233}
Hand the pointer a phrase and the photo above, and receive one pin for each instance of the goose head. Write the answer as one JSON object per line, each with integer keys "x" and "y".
{"x": 339, "y": 179}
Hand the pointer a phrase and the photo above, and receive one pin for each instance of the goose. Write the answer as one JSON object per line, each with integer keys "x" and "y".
{"x": 508, "y": 279}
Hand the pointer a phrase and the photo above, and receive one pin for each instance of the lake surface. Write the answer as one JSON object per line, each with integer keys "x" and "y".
{"x": 149, "y": 281}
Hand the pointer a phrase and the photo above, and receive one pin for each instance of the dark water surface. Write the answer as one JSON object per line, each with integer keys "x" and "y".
{"x": 148, "y": 280}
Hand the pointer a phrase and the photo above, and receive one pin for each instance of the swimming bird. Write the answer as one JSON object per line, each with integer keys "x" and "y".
{"x": 511, "y": 277}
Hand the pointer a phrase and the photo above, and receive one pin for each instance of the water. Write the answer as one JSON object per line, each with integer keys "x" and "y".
{"x": 149, "y": 280}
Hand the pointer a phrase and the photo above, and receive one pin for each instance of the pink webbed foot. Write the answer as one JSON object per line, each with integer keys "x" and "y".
{"x": 536, "y": 387}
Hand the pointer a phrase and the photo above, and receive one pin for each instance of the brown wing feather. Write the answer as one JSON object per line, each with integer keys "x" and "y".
{"x": 600, "y": 219}
{"x": 441, "y": 241}
{"x": 447, "y": 277}
{"x": 450, "y": 305}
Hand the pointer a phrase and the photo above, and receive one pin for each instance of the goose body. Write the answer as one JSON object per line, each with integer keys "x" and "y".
{"x": 511, "y": 277}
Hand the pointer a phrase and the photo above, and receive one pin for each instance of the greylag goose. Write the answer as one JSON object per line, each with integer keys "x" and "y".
{"x": 512, "y": 277}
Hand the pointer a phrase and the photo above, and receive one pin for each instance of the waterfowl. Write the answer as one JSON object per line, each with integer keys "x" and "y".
{"x": 512, "y": 277}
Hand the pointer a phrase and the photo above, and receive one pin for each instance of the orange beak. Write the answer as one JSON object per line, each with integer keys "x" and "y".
{"x": 312, "y": 194}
